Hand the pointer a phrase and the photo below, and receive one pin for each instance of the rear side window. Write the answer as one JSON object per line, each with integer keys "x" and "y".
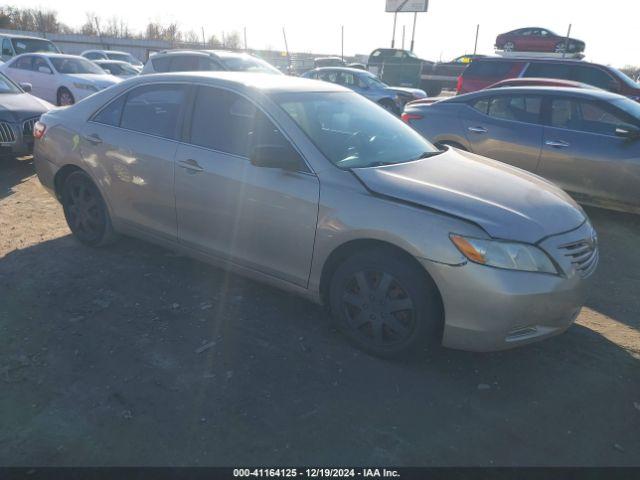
{"x": 110, "y": 115}
{"x": 549, "y": 70}
{"x": 94, "y": 56}
{"x": 593, "y": 76}
{"x": 227, "y": 122}
{"x": 480, "y": 69}
{"x": 161, "y": 64}
{"x": 154, "y": 110}
{"x": 184, "y": 63}
{"x": 23, "y": 63}
{"x": 518, "y": 108}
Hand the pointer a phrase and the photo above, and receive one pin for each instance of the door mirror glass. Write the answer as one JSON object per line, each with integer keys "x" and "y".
{"x": 275, "y": 156}
{"x": 628, "y": 131}
{"x": 43, "y": 69}
{"x": 27, "y": 87}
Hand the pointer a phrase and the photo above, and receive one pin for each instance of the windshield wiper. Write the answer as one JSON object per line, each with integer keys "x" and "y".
{"x": 427, "y": 155}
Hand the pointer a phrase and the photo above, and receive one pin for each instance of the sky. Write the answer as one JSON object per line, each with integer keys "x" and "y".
{"x": 446, "y": 31}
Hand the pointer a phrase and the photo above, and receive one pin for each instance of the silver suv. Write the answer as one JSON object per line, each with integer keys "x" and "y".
{"x": 206, "y": 60}
{"x": 313, "y": 188}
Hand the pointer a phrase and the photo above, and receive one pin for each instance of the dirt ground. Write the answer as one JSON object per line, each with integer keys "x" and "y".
{"x": 104, "y": 361}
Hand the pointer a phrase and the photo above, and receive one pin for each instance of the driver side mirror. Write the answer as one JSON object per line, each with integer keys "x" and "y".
{"x": 43, "y": 69}
{"x": 628, "y": 131}
{"x": 275, "y": 156}
{"x": 27, "y": 87}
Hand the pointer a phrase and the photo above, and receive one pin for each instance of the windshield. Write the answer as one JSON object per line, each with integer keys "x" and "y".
{"x": 7, "y": 86}
{"x": 353, "y": 132}
{"x": 70, "y": 65}
{"x": 248, "y": 64}
{"x": 123, "y": 57}
{"x": 31, "y": 45}
{"x": 629, "y": 106}
{"x": 118, "y": 68}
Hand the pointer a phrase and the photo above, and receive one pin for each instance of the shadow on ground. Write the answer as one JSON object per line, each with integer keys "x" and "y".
{"x": 13, "y": 172}
{"x": 132, "y": 355}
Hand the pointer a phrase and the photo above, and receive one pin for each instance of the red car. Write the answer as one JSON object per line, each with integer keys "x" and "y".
{"x": 534, "y": 39}
{"x": 539, "y": 82}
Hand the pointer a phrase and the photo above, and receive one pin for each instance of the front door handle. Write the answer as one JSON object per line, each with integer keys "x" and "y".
{"x": 556, "y": 144}
{"x": 191, "y": 166}
{"x": 479, "y": 130}
{"x": 93, "y": 139}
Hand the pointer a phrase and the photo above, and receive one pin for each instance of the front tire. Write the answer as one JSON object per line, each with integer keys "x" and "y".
{"x": 385, "y": 304}
{"x": 509, "y": 47}
{"x": 65, "y": 97}
{"x": 85, "y": 211}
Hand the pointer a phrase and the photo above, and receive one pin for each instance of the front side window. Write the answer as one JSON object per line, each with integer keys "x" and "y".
{"x": 587, "y": 116}
{"x": 353, "y": 132}
{"x": 226, "y": 122}
{"x": 154, "y": 109}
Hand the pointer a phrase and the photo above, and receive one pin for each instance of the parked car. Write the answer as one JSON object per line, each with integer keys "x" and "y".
{"x": 359, "y": 66}
{"x": 535, "y": 39}
{"x": 117, "y": 68}
{"x": 364, "y": 83}
{"x": 13, "y": 45}
{"x": 322, "y": 62}
{"x": 57, "y": 78}
{"x": 539, "y": 82}
{"x": 19, "y": 111}
{"x": 438, "y": 76}
{"x": 112, "y": 55}
{"x": 487, "y": 71}
{"x": 587, "y": 141}
{"x": 310, "y": 187}
{"x": 206, "y": 60}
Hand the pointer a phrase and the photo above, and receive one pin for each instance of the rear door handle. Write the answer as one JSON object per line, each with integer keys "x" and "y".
{"x": 478, "y": 130}
{"x": 93, "y": 139}
{"x": 556, "y": 144}
{"x": 191, "y": 166}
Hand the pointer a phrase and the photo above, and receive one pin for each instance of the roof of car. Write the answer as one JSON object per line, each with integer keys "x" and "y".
{"x": 525, "y": 58}
{"x": 356, "y": 71}
{"x": 104, "y": 61}
{"x": 106, "y": 51}
{"x": 9, "y": 35}
{"x": 255, "y": 81}
{"x": 575, "y": 92}
{"x": 218, "y": 53}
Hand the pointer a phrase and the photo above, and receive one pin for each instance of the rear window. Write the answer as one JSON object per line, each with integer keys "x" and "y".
{"x": 480, "y": 69}
{"x": 161, "y": 64}
{"x": 549, "y": 70}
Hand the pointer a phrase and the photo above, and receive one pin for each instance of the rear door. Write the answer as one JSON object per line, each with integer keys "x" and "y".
{"x": 506, "y": 128}
{"x": 260, "y": 218}
{"x": 582, "y": 154}
{"x": 20, "y": 70}
{"x": 132, "y": 141}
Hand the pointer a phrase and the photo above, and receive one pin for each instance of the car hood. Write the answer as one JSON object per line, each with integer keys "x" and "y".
{"x": 415, "y": 92}
{"x": 16, "y": 107}
{"x": 100, "y": 81}
{"x": 508, "y": 203}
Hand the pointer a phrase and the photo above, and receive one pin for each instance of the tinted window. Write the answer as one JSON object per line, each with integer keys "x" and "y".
{"x": 481, "y": 105}
{"x": 23, "y": 63}
{"x": 154, "y": 110}
{"x": 184, "y": 63}
{"x": 227, "y": 122}
{"x": 549, "y": 70}
{"x": 328, "y": 76}
{"x": 593, "y": 76}
{"x": 111, "y": 114}
{"x": 480, "y": 69}
{"x": 6, "y": 48}
{"x": 30, "y": 45}
{"x": 94, "y": 56}
{"x": 71, "y": 65}
{"x": 41, "y": 65}
{"x": 586, "y": 116}
{"x": 519, "y": 108}
{"x": 161, "y": 64}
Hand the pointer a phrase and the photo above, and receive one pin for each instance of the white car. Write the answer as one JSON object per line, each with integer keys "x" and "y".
{"x": 57, "y": 78}
{"x": 117, "y": 68}
{"x": 112, "y": 55}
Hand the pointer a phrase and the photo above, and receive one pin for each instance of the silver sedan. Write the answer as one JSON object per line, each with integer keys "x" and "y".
{"x": 310, "y": 187}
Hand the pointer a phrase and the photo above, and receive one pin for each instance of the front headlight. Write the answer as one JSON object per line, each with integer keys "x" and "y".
{"x": 85, "y": 86}
{"x": 507, "y": 255}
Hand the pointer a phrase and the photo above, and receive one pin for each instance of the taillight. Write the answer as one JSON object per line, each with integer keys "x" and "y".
{"x": 38, "y": 130}
{"x": 459, "y": 85}
{"x": 407, "y": 117}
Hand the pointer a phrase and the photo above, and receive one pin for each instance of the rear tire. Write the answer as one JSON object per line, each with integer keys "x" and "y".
{"x": 385, "y": 304}
{"x": 86, "y": 212}
{"x": 561, "y": 47}
{"x": 65, "y": 97}
{"x": 509, "y": 47}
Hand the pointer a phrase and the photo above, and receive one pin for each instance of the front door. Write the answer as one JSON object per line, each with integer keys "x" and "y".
{"x": 506, "y": 128}
{"x": 42, "y": 80}
{"x": 260, "y": 218}
{"x": 583, "y": 154}
{"x": 131, "y": 145}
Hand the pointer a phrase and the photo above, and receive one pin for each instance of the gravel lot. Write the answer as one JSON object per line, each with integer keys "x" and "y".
{"x": 133, "y": 355}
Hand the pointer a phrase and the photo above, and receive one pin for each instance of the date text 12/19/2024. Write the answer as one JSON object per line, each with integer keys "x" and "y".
{"x": 315, "y": 473}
